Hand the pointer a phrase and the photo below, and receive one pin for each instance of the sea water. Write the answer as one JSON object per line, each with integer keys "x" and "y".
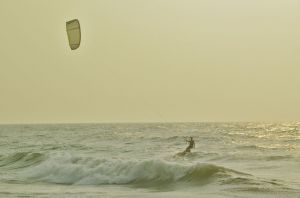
{"x": 140, "y": 160}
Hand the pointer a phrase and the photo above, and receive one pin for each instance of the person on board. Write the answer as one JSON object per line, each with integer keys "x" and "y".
{"x": 190, "y": 146}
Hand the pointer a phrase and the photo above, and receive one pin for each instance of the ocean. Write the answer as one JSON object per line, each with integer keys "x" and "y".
{"x": 140, "y": 160}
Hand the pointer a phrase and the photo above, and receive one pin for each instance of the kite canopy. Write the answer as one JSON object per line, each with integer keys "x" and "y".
{"x": 74, "y": 33}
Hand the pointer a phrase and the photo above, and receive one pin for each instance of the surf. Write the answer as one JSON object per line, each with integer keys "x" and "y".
{"x": 77, "y": 170}
{"x": 20, "y": 160}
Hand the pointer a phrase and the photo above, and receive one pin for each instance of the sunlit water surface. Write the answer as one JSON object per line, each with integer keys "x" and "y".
{"x": 139, "y": 160}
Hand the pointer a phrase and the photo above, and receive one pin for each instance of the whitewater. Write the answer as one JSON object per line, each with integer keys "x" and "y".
{"x": 139, "y": 160}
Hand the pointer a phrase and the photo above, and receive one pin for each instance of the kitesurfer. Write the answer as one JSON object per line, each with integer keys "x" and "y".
{"x": 190, "y": 146}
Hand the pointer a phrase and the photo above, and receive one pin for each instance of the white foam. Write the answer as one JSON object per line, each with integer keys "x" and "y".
{"x": 67, "y": 169}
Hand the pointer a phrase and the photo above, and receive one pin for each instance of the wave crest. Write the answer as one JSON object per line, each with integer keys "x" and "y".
{"x": 20, "y": 160}
{"x": 91, "y": 171}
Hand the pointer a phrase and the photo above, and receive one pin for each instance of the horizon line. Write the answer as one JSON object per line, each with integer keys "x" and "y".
{"x": 139, "y": 122}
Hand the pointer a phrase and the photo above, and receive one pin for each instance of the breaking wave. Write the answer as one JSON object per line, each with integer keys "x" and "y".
{"x": 20, "y": 160}
{"x": 67, "y": 169}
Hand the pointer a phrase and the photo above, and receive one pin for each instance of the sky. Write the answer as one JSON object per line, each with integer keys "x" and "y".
{"x": 150, "y": 61}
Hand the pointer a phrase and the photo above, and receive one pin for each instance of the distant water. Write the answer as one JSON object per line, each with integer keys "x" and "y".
{"x": 139, "y": 160}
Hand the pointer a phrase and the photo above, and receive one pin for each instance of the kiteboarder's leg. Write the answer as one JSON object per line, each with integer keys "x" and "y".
{"x": 188, "y": 149}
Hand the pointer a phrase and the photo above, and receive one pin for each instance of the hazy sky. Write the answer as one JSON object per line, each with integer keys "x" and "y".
{"x": 150, "y": 60}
